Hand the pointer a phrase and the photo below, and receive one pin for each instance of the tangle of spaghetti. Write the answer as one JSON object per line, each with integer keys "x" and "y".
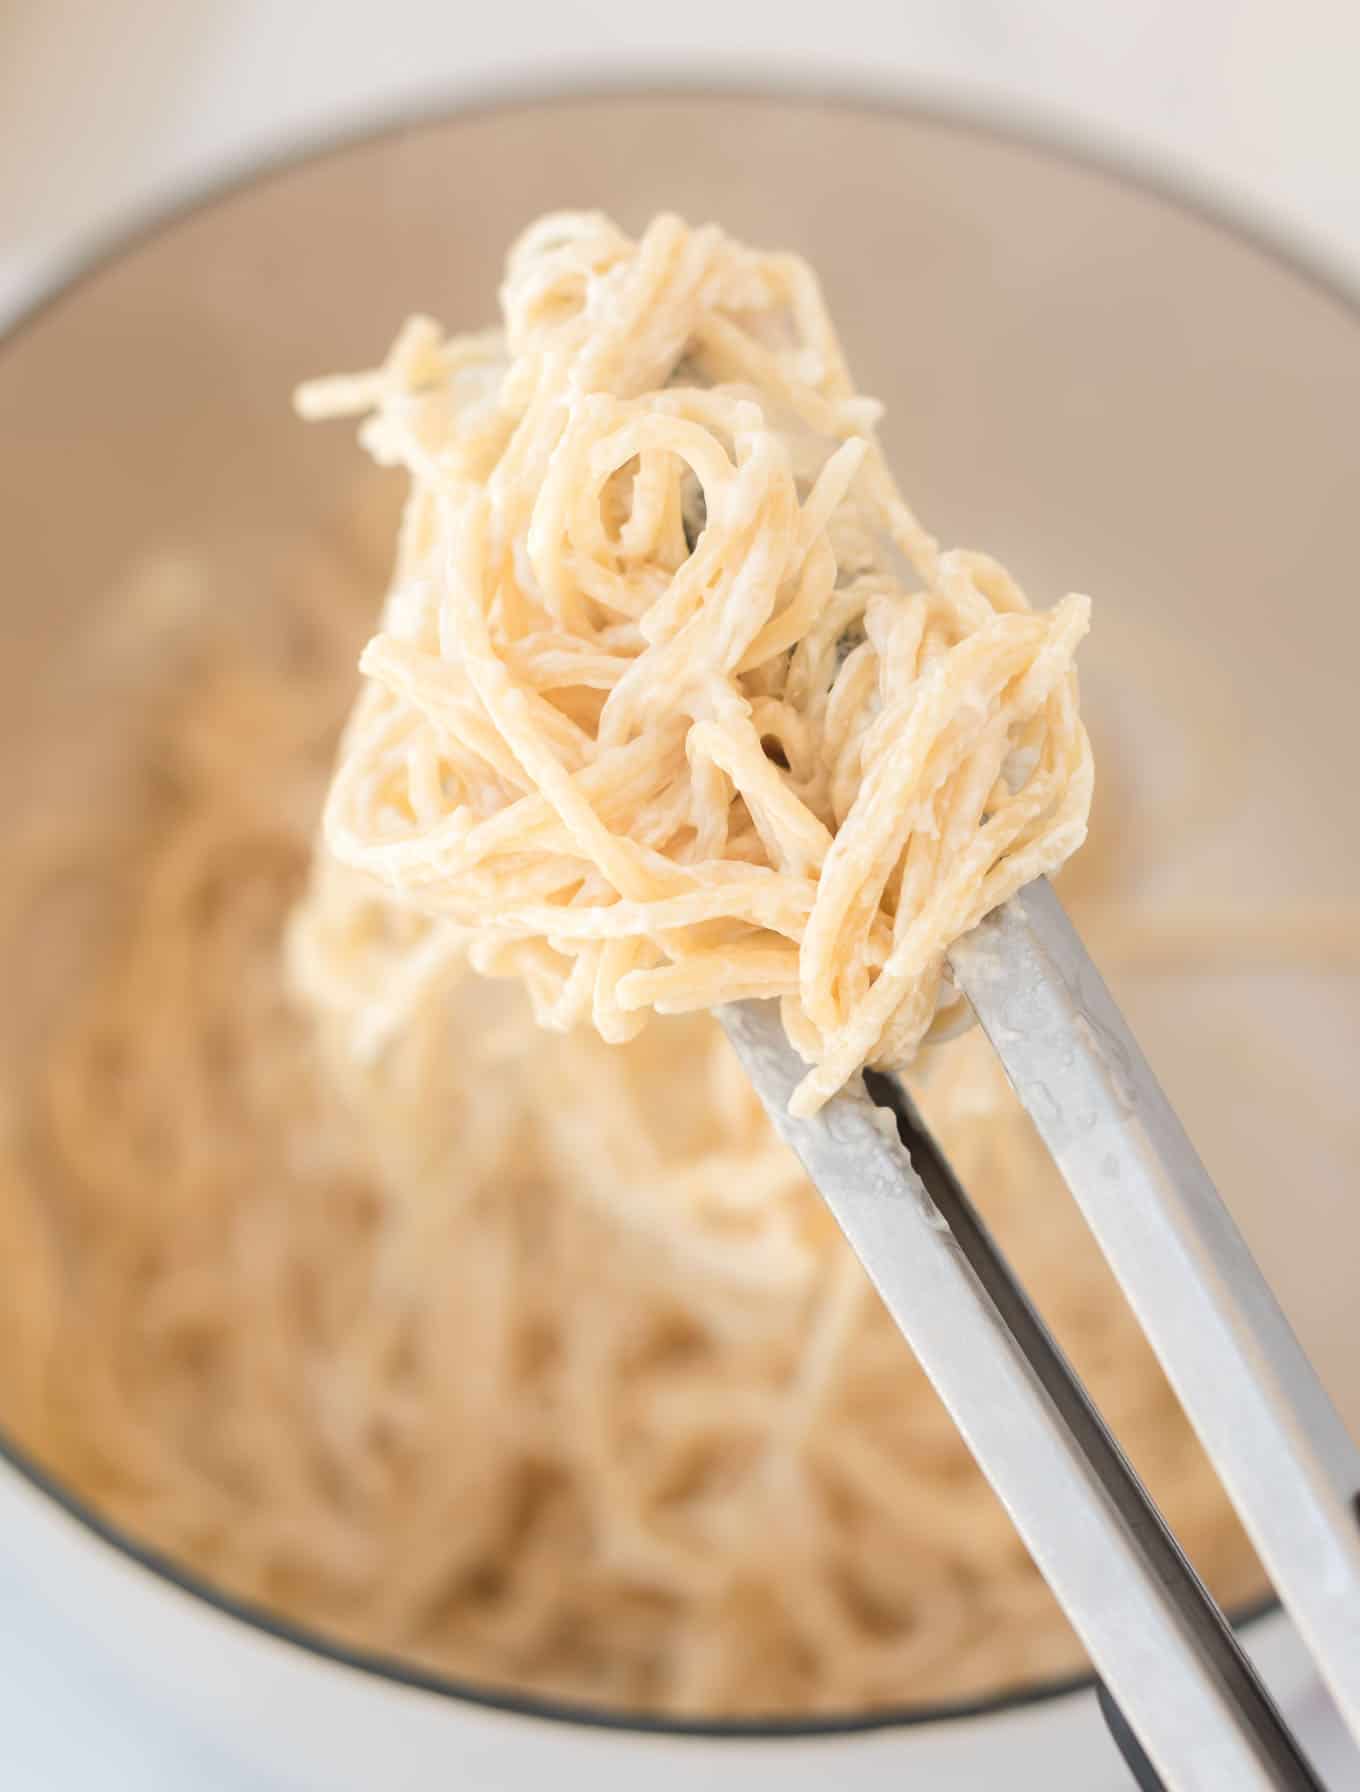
{"x": 675, "y": 701}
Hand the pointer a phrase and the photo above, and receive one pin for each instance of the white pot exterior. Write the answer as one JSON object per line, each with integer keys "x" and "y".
{"x": 286, "y": 1716}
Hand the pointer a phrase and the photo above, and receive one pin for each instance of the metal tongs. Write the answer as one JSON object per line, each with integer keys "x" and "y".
{"x": 1180, "y": 1695}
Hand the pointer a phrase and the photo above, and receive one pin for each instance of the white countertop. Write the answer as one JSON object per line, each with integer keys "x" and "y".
{"x": 108, "y": 111}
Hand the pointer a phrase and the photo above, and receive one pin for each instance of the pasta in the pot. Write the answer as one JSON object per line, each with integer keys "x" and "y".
{"x": 520, "y": 1355}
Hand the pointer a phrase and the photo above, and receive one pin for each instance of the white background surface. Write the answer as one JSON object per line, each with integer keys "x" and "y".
{"x": 109, "y": 108}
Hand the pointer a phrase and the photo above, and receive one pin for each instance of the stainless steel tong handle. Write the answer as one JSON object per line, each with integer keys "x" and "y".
{"x": 1278, "y": 1444}
{"x": 1158, "y": 1641}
